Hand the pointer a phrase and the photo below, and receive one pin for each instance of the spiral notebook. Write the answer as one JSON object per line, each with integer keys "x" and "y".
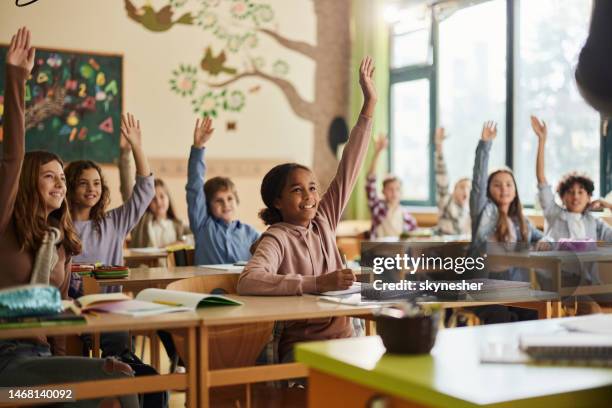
{"x": 568, "y": 348}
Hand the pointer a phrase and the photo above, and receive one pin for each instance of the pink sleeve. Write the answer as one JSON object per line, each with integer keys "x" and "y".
{"x": 337, "y": 195}
{"x": 261, "y": 277}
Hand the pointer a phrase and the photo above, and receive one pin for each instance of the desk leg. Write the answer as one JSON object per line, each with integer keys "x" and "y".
{"x": 203, "y": 368}
{"x": 192, "y": 369}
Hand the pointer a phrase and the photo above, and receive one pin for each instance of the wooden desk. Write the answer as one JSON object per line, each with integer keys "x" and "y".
{"x": 186, "y": 323}
{"x": 553, "y": 261}
{"x": 261, "y": 309}
{"x": 143, "y": 278}
{"x": 148, "y": 258}
{"x": 352, "y": 372}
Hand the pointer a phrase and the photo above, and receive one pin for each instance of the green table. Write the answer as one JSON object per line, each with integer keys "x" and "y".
{"x": 353, "y": 371}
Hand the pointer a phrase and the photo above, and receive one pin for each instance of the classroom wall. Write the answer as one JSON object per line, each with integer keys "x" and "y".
{"x": 268, "y": 131}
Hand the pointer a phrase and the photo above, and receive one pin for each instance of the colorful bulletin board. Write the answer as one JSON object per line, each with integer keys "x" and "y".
{"x": 74, "y": 102}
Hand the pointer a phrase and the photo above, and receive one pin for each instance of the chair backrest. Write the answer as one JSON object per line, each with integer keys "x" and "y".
{"x": 229, "y": 346}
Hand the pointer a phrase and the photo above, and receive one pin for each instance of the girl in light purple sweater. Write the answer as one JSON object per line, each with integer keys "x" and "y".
{"x": 298, "y": 252}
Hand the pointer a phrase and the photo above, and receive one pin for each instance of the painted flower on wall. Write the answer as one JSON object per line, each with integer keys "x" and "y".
{"x": 206, "y": 105}
{"x": 241, "y": 9}
{"x": 184, "y": 80}
{"x": 235, "y": 101}
{"x": 281, "y": 68}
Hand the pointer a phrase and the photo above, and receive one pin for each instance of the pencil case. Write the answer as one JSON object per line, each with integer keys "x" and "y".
{"x": 29, "y": 300}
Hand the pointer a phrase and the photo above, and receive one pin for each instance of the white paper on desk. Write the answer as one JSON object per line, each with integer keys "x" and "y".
{"x": 224, "y": 267}
{"x": 355, "y": 288}
{"x": 596, "y": 324}
{"x": 502, "y": 352}
{"x": 148, "y": 251}
{"x": 355, "y": 300}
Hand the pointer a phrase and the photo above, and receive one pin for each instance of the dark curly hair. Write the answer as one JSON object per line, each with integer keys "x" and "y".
{"x": 569, "y": 179}
{"x": 73, "y": 171}
{"x": 272, "y": 187}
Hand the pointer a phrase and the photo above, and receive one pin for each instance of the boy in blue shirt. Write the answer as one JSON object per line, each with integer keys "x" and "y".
{"x": 219, "y": 237}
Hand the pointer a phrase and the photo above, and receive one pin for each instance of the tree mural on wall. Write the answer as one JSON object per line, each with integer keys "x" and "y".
{"x": 212, "y": 82}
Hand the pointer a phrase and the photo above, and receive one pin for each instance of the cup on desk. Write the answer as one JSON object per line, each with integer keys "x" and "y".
{"x": 407, "y": 329}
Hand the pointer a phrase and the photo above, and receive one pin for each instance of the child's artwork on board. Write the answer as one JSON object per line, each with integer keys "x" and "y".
{"x": 73, "y": 104}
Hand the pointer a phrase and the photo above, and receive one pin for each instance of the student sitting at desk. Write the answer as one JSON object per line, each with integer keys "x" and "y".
{"x": 219, "y": 237}
{"x": 495, "y": 207}
{"x": 298, "y": 252}
{"x": 37, "y": 240}
{"x": 453, "y": 210}
{"x": 574, "y": 220}
{"x": 389, "y": 218}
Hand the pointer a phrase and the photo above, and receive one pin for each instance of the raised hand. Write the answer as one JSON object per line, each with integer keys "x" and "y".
{"x": 599, "y": 204}
{"x": 439, "y": 137}
{"x": 539, "y": 127}
{"x": 366, "y": 71}
{"x": 130, "y": 129}
{"x": 20, "y": 53}
{"x": 381, "y": 143}
{"x": 489, "y": 131}
{"x": 203, "y": 132}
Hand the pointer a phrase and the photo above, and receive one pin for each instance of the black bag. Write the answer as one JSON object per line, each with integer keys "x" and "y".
{"x": 150, "y": 400}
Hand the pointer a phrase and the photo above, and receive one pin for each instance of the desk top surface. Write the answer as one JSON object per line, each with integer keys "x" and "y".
{"x": 453, "y": 375}
{"x": 163, "y": 275}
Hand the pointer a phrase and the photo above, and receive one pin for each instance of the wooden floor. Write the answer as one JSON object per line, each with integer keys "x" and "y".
{"x": 262, "y": 396}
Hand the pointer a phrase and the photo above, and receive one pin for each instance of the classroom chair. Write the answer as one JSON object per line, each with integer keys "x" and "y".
{"x": 229, "y": 346}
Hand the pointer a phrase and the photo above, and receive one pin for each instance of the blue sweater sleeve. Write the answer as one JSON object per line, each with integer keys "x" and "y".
{"x": 478, "y": 194}
{"x": 196, "y": 200}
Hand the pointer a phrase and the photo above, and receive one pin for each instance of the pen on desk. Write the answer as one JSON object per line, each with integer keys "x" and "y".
{"x": 345, "y": 261}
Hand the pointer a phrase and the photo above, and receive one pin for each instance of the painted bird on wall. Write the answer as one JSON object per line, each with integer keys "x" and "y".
{"x": 214, "y": 65}
{"x": 155, "y": 20}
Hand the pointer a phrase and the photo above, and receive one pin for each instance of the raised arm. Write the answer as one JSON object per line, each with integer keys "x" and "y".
{"x": 335, "y": 198}
{"x": 19, "y": 62}
{"x": 196, "y": 171}
{"x": 539, "y": 127}
{"x": 442, "y": 195}
{"x": 128, "y": 214}
{"x": 130, "y": 129}
{"x": 380, "y": 144}
{"x": 126, "y": 175}
{"x": 478, "y": 194}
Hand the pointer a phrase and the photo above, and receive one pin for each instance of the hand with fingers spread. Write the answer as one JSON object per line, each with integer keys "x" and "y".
{"x": 366, "y": 81}
{"x": 489, "y": 131}
{"x": 20, "y": 53}
{"x": 130, "y": 129}
{"x": 337, "y": 280}
{"x": 439, "y": 137}
{"x": 203, "y": 132}
{"x": 539, "y": 127}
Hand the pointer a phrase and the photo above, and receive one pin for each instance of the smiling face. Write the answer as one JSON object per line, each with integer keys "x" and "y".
{"x": 392, "y": 191}
{"x": 576, "y": 198}
{"x": 462, "y": 192}
{"x": 299, "y": 199}
{"x": 223, "y": 205}
{"x": 88, "y": 188}
{"x": 502, "y": 189}
{"x": 52, "y": 185}
{"x": 160, "y": 203}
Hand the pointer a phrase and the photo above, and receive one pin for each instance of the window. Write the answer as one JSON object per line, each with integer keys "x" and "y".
{"x": 472, "y": 83}
{"x": 410, "y": 128}
{"x": 549, "y": 36}
{"x": 500, "y": 60}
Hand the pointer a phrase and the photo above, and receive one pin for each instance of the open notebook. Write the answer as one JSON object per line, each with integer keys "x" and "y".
{"x": 152, "y": 302}
{"x": 568, "y": 348}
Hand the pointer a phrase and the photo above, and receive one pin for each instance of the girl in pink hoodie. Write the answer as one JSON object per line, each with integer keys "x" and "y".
{"x": 298, "y": 252}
